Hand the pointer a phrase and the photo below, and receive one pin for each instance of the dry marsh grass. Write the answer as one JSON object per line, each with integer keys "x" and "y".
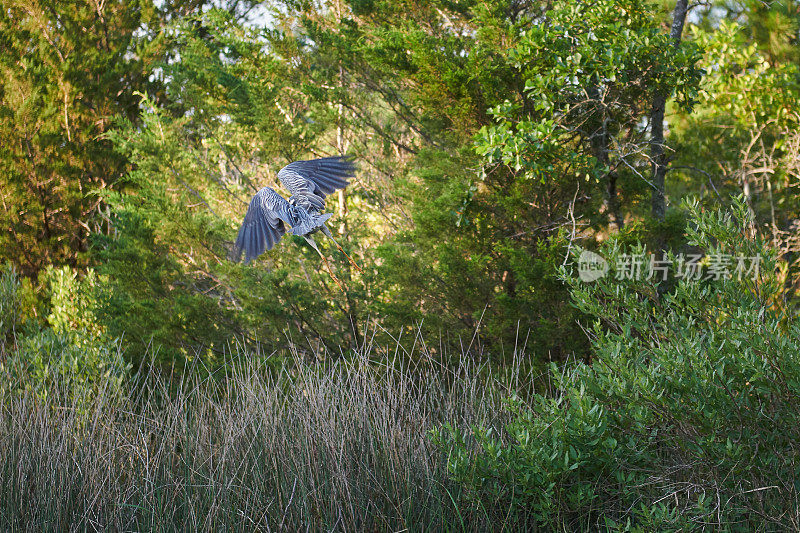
{"x": 337, "y": 447}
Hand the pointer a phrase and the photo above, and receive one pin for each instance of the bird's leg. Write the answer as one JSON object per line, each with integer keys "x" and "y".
{"x": 328, "y": 266}
{"x": 313, "y": 244}
{"x": 327, "y": 233}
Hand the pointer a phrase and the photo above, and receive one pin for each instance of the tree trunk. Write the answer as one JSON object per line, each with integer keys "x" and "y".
{"x": 600, "y": 141}
{"x": 616, "y": 221}
{"x": 659, "y": 159}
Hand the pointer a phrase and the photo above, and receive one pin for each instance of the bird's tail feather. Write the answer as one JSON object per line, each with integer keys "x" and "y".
{"x": 310, "y": 222}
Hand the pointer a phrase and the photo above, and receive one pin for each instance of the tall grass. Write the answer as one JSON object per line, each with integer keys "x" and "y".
{"x": 342, "y": 446}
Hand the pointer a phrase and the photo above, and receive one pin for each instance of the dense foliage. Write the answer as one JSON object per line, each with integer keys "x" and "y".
{"x": 488, "y": 135}
{"x": 686, "y": 414}
{"x": 495, "y": 141}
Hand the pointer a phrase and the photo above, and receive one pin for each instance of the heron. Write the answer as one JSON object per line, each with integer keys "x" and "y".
{"x": 269, "y": 214}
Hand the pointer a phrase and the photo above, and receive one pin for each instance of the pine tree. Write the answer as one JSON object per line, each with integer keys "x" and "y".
{"x": 67, "y": 69}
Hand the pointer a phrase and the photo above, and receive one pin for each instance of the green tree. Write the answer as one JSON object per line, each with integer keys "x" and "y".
{"x": 480, "y": 133}
{"x": 560, "y": 145}
{"x": 743, "y": 136}
{"x": 67, "y": 70}
{"x": 236, "y": 119}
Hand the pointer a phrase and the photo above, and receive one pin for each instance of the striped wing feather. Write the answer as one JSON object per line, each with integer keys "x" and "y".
{"x": 311, "y": 181}
{"x": 264, "y": 224}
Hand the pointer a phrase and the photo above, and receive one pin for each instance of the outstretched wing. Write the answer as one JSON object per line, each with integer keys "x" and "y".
{"x": 263, "y": 224}
{"x": 310, "y": 181}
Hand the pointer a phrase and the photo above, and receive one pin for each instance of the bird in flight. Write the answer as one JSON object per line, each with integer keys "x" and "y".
{"x": 269, "y": 213}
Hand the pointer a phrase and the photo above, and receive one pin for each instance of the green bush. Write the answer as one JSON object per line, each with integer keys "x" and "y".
{"x": 9, "y": 306}
{"x": 82, "y": 360}
{"x": 71, "y": 348}
{"x": 72, "y": 300}
{"x": 687, "y": 415}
